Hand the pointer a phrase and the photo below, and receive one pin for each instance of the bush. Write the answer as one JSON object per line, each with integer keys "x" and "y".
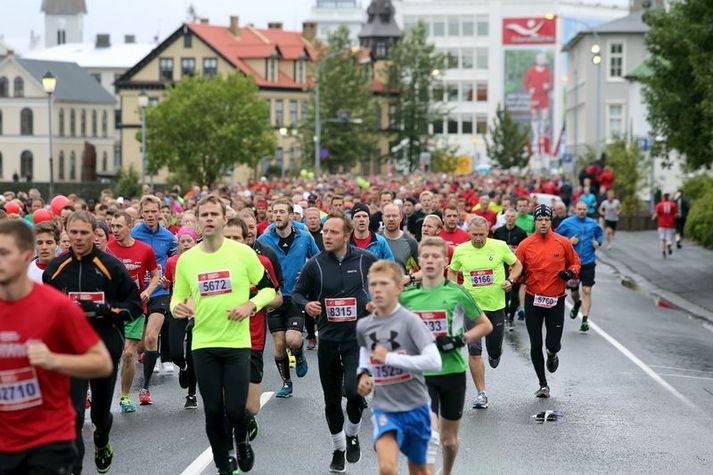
{"x": 128, "y": 184}
{"x": 696, "y": 187}
{"x": 699, "y": 225}
{"x": 627, "y": 163}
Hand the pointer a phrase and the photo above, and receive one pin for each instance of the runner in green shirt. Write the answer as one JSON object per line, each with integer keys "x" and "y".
{"x": 525, "y": 220}
{"x": 454, "y": 319}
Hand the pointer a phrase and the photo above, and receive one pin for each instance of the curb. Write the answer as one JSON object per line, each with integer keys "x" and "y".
{"x": 662, "y": 298}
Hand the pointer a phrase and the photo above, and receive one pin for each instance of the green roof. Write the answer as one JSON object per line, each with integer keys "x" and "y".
{"x": 642, "y": 70}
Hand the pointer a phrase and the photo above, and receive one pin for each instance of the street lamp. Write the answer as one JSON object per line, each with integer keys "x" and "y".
{"x": 143, "y": 104}
{"x": 49, "y": 83}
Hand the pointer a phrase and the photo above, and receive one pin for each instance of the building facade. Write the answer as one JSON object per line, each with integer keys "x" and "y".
{"x": 329, "y": 15}
{"x": 82, "y": 123}
{"x": 64, "y": 21}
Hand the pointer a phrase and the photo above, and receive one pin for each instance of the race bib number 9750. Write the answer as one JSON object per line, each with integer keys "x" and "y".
{"x": 19, "y": 389}
{"x": 214, "y": 283}
{"x": 482, "y": 278}
{"x": 543, "y": 301}
{"x": 436, "y": 321}
{"x": 341, "y": 310}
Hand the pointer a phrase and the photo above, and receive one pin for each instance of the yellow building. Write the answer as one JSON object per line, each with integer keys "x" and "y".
{"x": 278, "y": 61}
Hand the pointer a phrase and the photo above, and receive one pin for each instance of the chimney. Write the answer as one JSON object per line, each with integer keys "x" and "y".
{"x": 309, "y": 30}
{"x": 234, "y": 25}
{"x": 638, "y": 5}
{"x": 205, "y": 21}
{"x": 103, "y": 40}
{"x": 129, "y": 39}
{"x": 274, "y": 25}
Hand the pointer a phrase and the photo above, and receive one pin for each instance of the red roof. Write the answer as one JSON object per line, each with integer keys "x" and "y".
{"x": 255, "y": 43}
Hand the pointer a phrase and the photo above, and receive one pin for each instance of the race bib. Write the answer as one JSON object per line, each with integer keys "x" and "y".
{"x": 385, "y": 374}
{"x": 214, "y": 283}
{"x": 436, "y": 321}
{"x": 481, "y": 278}
{"x": 544, "y": 301}
{"x": 96, "y": 297}
{"x": 341, "y": 310}
{"x": 19, "y": 389}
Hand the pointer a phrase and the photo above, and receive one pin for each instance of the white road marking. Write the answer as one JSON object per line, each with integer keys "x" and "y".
{"x": 708, "y": 327}
{"x": 686, "y": 376}
{"x": 681, "y": 369}
{"x": 206, "y": 458}
{"x": 643, "y": 366}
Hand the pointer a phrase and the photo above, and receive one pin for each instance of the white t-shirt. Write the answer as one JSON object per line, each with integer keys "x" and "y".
{"x": 34, "y": 272}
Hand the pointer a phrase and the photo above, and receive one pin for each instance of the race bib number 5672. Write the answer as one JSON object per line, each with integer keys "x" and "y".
{"x": 214, "y": 283}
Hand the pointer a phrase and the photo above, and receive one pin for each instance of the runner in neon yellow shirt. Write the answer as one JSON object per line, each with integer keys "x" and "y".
{"x": 216, "y": 275}
{"x": 482, "y": 262}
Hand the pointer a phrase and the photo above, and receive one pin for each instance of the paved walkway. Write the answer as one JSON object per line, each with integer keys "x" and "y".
{"x": 684, "y": 279}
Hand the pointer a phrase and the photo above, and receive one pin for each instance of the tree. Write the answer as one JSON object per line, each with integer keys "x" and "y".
{"x": 128, "y": 183}
{"x": 411, "y": 76}
{"x": 628, "y": 165}
{"x": 679, "y": 87}
{"x": 508, "y": 145}
{"x": 348, "y": 107}
{"x": 206, "y": 126}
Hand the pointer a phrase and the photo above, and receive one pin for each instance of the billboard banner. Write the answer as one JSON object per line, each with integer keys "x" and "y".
{"x": 529, "y": 31}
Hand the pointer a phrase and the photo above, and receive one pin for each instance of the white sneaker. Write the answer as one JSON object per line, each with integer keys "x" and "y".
{"x": 157, "y": 367}
{"x": 168, "y": 367}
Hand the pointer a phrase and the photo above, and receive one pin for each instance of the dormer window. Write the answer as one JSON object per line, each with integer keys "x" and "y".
{"x": 272, "y": 69}
{"x": 300, "y": 71}
{"x": 380, "y": 51}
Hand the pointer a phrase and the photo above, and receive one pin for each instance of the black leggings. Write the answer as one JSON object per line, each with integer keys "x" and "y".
{"x": 553, "y": 318}
{"x": 181, "y": 338}
{"x": 513, "y": 300}
{"x": 337, "y": 362}
{"x": 223, "y": 377}
{"x": 494, "y": 340}
{"x": 102, "y": 394}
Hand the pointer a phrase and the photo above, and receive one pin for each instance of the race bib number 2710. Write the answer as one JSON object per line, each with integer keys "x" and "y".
{"x": 19, "y": 389}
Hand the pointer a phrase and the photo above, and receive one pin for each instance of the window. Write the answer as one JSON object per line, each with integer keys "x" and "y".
{"x": 72, "y": 123}
{"x": 279, "y": 112}
{"x": 293, "y": 113}
{"x": 452, "y": 126}
{"x": 438, "y": 92}
{"x": 188, "y": 66}
{"x": 3, "y": 86}
{"x": 467, "y": 92}
{"x": 83, "y": 123}
{"x": 481, "y": 58}
{"x": 466, "y": 58}
{"x": 271, "y": 66}
{"x": 616, "y": 60}
{"x": 187, "y": 39}
{"x": 94, "y": 123}
{"x": 60, "y": 169}
{"x": 117, "y": 117}
{"x": 466, "y": 125}
{"x": 0, "y": 164}
{"x": 392, "y": 116}
{"x": 481, "y": 125}
{"x": 0, "y": 122}
{"x": 452, "y": 92}
{"x": 61, "y": 37}
{"x": 453, "y": 26}
{"x": 105, "y": 161}
{"x": 105, "y": 124}
{"x": 452, "y": 59}
{"x": 409, "y": 22}
{"x": 210, "y": 67}
{"x": 165, "y": 67}
{"x": 26, "y": 122}
{"x": 380, "y": 49}
{"x": 615, "y": 121}
{"x": 439, "y": 26}
{"x": 97, "y": 77}
{"x": 481, "y": 92}
{"x": 468, "y": 26}
{"x": 300, "y": 70}
{"x": 19, "y": 86}
{"x": 61, "y": 122}
{"x": 438, "y": 127}
{"x": 26, "y": 165}
{"x": 482, "y": 25}
{"x": 303, "y": 110}
{"x": 72, "y": 166}
{"x": 280, "y": 159}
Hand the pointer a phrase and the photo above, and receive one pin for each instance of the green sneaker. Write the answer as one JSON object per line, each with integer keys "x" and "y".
{"x": 584, "y": 327}
{"x": 103, "y": 458}
{"x": 126, "y": 405}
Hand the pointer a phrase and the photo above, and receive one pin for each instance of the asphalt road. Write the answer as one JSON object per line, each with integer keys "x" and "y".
{"x": 639, "y": 401}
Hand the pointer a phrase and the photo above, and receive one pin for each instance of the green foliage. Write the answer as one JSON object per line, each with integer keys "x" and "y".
{"x": 679, "y": 88}
{"x": 694, "y": 188}
{"x": 128, "y": 183}
{"x": 699, "y": 225}
{"x": 345, "y": 97}
{"x": 628, "y": 164}
{"x": 508, "y": 143}
{"x": 206, "y": 126}
{"x": 413, "y": 62}
{"x": 444, "y": 160}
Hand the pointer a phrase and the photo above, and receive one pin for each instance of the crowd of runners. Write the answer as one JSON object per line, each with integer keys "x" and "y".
{"x": 395, "y": 282}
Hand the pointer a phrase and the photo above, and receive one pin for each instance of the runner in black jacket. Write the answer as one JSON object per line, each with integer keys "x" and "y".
{"x": 513, "y": 236}
{"x": 102, "y": 286}
{"x": 332, "y": 288}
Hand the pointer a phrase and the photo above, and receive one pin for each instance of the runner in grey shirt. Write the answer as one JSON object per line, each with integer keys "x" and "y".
{"x": 609, "y": 210}
{"x": 403, "y": 247}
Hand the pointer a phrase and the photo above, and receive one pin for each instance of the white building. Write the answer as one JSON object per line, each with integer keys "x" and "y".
{"x": 64, "y": 21}
{"x": 492, "y": 47}
{"x": 329, "y": 15}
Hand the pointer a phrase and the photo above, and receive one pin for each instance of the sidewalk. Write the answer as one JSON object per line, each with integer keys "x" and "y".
{"x": 684, "y": 280}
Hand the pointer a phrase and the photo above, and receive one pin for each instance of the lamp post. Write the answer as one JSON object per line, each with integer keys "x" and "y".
{"x": 143, "y": 104}
{"x": 49, "y": 83}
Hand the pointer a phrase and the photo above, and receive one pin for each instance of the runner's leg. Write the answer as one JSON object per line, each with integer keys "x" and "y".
{"x": 494, "y": 341}
{"x": 534, "y": 319}
{"x": 153, "y": 328}
{"x": 387, "y": 453}
{"x": 128, "y": 369}
{"x": 330, "y": 376}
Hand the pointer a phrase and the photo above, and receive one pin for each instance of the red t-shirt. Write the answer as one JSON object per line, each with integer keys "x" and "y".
{"x": 456, "y": 237}
{"x": 362, "y": 243}
{"x": 139, "y": 259}
{"x": 261, "y": 227}
{"x": 666, "y": 212}
{"x": 257, "y": 321}
{"x": 35, "y": 408}
{"x": 489, "y": 215}
{"x": 170, "y": 270}
{"x": 174, "y": 229}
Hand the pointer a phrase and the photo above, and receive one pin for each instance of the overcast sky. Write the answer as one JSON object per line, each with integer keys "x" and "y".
{"x": 148, "y": 18}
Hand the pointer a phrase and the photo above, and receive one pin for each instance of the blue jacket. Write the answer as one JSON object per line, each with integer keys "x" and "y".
{"x": 378, "y": 246}
{"x": 587, "y": 230}
{"x": 164, "y": 245}
{"x": 292, "y": 262}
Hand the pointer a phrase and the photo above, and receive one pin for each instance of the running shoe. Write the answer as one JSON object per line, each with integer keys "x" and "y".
{"x": 338, "y": 464}
{"x": 167, "y": 367}
{"x": 88, "y": 401}
{"x": 157, "y": 367}
{"x": 246, "y": 457}
{"x": 285, "y": 391}
{"x": 183, "y": 378}
{"x": 233, "y": 470}
{"x": 553, "y": 362}
{"x": 584, "y": 327}
{"x": 521, "y": 314}
{"x": 126, "y": 405}
{"x": 103, "y": 458}
{"x": 494, "y": 362}
{"x": 301, "y": 366}
{"x": 253, "y": 428}
{"x": 353, "y": 449}
{"x": 543, "y": 392}
{"x": 678, "y": 245}
{"x": 191, "y": 402}
{"x": 145, "y": 397}
{"x": 575, "y": 310}
{"x": 481, "y": 401}
{"x": 311, "y": 344}
{"x": 670, "y": 250}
